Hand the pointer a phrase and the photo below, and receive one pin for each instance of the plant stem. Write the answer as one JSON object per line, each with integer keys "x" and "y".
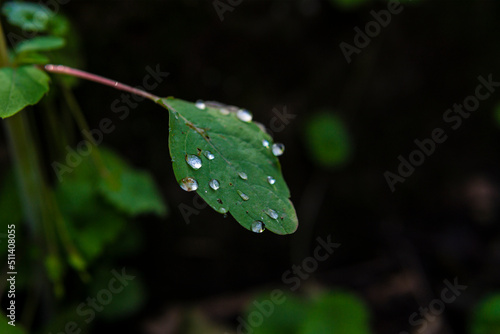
{"x": 61, "y": 69}
{"x": 80, "y": 120}
{"x": 4, "y": 56}
{"x": 30, "y": 179}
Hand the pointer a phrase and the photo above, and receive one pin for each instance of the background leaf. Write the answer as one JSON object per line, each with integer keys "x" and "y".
{"x": 6, "y": 328}
{"x": 284, "y": 318}
{"x": 327, "y": 140}
{"x": 41, "y": 43}
{"x": 20, "y": 87}
{"x": 136, "y": 192}
{"x": 89, "y": 201}
{"x": 486, "y": 319}
{"x": 336, "y": 313}
{"x": 230, "y": 151}
{"x": 27, "y": 15}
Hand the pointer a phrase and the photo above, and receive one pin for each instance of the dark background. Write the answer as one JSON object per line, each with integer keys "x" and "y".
{"x": 398, "y": 247}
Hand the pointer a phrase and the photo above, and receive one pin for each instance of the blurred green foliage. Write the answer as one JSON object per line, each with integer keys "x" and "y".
{"x": 327, "y": 140}
{"x": 9, "y": 329}
{"x": 486, "y": 316}
{"x": 331, "y": 312}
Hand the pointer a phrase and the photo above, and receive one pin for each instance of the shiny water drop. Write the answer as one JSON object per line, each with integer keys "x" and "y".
{"x": 224, "y": 111}
{"x": 193, "y": 161}
{"x": 258, "y": 226}
{"x": 214, "y": 184}
{"x": 188, "y": 184}
{"x": 271, "y": 213}
{"x": 209, "y": 155}
{"x": 200, "y": 105}
{"x": 278, "y": 149}
{"x": 243, "y": 196}
{"x": 243, "y": 175}
{"x": 244, "y": 115}
{"x": 265, "y": 143}
{"x": 271, "y": 180}
{"x": 223, "y": 210}
{"x": 261, "y": 126}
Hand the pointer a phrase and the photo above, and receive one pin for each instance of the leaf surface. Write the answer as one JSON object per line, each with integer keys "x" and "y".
{"x": 20, "y": 87}
{"x": 40, "y": 43}
{"x": 241, "y": 164}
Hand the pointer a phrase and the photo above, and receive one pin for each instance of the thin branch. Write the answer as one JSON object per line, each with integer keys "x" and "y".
{"x": 61, "y": 69}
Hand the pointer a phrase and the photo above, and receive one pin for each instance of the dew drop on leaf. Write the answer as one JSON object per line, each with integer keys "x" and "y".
{"x": 271, "y": 213}
{"x": 243, "y": 175}
{"x": 188, "y": 184}
{"x": 214, "y": 184}
{"x": 200, "y": 105}
{"x": 209, "y": 155}
{"x": 258, "y": 226}
{"x": 224, "y": 111}
{"x": 243, "y": 196}
{"x": 244, "y": 115}
{"x": 193, "y": 161}
{"x": 271, "y": 180}
{"x": 265, "y": 143}
{"x": 261, "y": 126}
{"x": 278, "y": 149}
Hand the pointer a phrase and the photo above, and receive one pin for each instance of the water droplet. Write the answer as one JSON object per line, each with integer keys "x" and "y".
{"x": 243, "y": 175}
{"x": 261, "y": 126}
{"x": 200, "y": 104}
{"x": 265, "y": 143}
{"x": 258, "y": 226}
{"x": 271, "y": 180}
{"x": 224, "y": 111}
{"x": 244, "y": 115}
{"x": 223, "y": 210}
{"x": 193, "y": 161}
{"x": 214, "y": 184}
{"x": 243, "y": 196}
{"x": 278, "y": 149}
{"x": 271, "y": 213}
{"x": 209, "y": 155}
{"x": 188, "y": 184}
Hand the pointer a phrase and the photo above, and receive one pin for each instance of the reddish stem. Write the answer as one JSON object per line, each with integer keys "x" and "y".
{"x": 61, "y": 69}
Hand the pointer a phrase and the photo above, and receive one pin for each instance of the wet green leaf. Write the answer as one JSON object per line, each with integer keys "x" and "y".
{"x": 20, "y": 87}
{"x": 241, "y": 165}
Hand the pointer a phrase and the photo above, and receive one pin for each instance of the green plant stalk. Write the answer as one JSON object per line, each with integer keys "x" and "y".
{"x": 31, "y": 182}
{"x": 22, "y": 154}
{"x": 4, "y": 56}
{"x": 83, "y": 125}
